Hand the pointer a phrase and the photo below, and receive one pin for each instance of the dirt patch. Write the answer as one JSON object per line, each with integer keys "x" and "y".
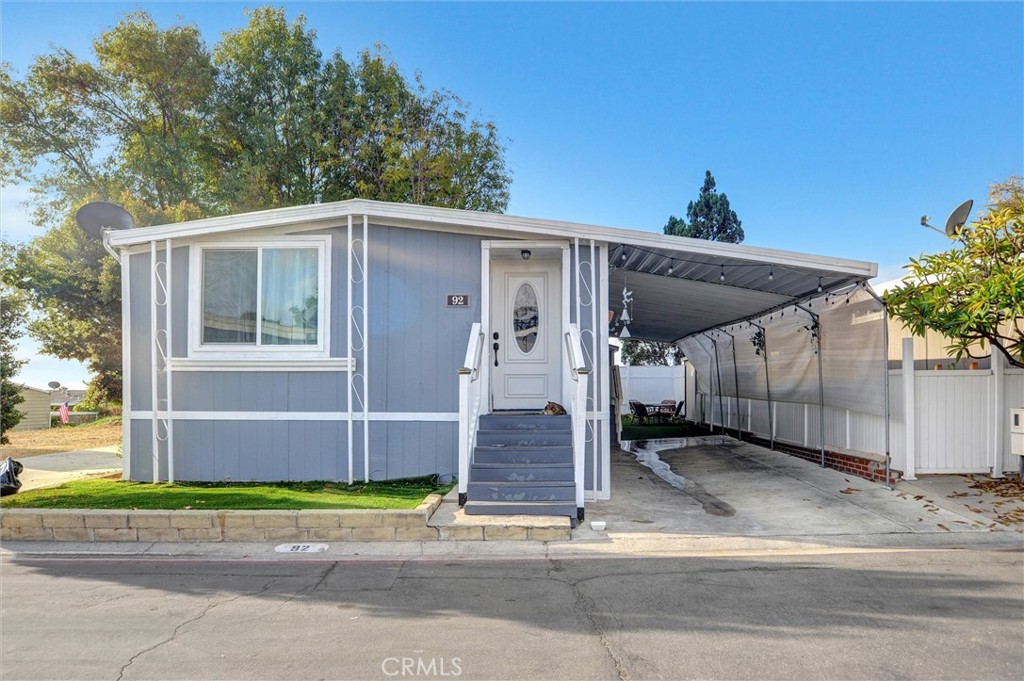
{"x": 29, "y": 443}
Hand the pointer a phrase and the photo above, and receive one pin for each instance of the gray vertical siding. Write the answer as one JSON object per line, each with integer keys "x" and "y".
{"x": 585, "y": 322}
{"x": 416, "y": 345}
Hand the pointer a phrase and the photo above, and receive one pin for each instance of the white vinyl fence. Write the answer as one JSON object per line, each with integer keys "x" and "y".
{"x": 651, "y": 385}
{"x": 960, "y": 420}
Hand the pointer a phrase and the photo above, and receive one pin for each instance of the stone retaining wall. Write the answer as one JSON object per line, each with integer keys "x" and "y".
{"x": 169, "y": 526}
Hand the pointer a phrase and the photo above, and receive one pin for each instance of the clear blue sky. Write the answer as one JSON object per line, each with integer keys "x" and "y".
{"x": 831, "y": 127}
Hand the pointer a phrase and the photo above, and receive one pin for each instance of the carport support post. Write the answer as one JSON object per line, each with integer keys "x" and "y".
{"x": 736, "y": 384}
{"x": 885, "y": 370}
{"x": 816, "y": 340}
{"x": 718, "y": 374}
{"x": 767, "y": 384}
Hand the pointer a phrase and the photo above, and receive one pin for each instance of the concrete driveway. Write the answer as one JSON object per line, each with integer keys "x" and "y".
{"x": 51, "y": 470}
{"x": 719, "y": 490}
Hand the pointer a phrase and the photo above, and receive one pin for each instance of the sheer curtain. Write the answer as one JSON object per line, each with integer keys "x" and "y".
{"x": 290, "y": 296}
{"x": 229, "y": 296}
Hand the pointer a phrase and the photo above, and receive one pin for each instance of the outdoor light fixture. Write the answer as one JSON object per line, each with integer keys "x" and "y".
{"x": 771, "y": 273}
{"x": 525, "y": 253}
{"x": 721, "y": 276}
{"x": 819, "y": 284}
{"x": 671, "y": 267}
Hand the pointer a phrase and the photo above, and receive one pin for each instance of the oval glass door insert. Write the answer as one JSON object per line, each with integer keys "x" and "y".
{"x": 525, "y": 318}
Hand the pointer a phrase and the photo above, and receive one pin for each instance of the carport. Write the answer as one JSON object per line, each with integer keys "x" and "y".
{"x": 785, "y": 348}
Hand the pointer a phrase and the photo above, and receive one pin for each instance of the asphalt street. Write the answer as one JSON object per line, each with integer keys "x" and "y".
{"x": 844, "y": 614}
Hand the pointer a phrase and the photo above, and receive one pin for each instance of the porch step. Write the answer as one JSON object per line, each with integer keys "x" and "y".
{"x": 523, "y": 492}
{"x": 520, "y": 508}
{"x": 534, "y": 472}
{"x": 524, "y": 438}
{"x": 522, "y": 455}
{"x": 524, "y": 422}
{"x": 522, "y": 465}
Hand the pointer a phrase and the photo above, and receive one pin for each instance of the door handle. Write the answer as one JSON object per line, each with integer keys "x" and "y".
{"x": 495, "y": 346}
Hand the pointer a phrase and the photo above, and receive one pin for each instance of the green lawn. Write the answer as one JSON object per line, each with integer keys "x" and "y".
{"x": 216, "y": 496}
{"x": 660, "y": 431}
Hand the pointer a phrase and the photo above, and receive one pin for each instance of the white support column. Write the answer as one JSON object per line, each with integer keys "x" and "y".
{"x": 169, "y": 372}
{"x": 366, "y": 348}
{"x": 126, "y": 367}
{"x": 348, "y": 333}
{"x": 153, "y": 362}
{"x": 909, "y": 410}
{"x": 848, "y": 439}
{"x": 1000, "y": 413}
{"x": 605, "y": 376}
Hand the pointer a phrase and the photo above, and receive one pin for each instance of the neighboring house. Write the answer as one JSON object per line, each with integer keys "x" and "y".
{"x": 35, "y": 407}
{"x": 366, "y": 340}
{"x": 70, "y": 396}
{"x": 931, "y": 349}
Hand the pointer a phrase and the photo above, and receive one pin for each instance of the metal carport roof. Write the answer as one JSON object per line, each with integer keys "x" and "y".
{"x": 681, "y": 289}
{"x": 677, "y": 282}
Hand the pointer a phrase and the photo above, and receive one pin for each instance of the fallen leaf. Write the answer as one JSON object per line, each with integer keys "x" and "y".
{"x": 944, "y": 527}
{"x": 849, "y": 490}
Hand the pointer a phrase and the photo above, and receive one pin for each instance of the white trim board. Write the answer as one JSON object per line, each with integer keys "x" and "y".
{"x": 408, "y": 417}
{"x": 279, "y": 365}
{"x": 404, "y": 416}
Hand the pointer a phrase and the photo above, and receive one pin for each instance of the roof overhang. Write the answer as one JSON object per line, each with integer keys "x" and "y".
{"x": 668, "y": 305}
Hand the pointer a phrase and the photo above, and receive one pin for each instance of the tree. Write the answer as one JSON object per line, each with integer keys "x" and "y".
{"x": 973, "y": 293}
{"x": 174, "y": 131}
{"x": 12, "y": 317}
{"x": 650, "y": 353}
{"x": 709, "y": 217}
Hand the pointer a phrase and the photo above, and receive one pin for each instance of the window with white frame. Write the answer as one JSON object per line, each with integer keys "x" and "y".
{"x": 261, "y": 298}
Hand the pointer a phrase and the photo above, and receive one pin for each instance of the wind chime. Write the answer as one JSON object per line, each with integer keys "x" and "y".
{"x": 625, "y": 318}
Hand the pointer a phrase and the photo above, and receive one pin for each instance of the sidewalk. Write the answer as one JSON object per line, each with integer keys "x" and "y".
{"x": 51, "y": 470}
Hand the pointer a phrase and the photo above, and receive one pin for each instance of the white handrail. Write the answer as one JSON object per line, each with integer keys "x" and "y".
{"x": 578, "y": 407}
{"x": 469, "y": 405}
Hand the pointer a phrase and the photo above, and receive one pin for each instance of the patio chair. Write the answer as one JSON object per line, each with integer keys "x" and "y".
{"x": 639, "y": 411}
{"x": 667, "y": 409}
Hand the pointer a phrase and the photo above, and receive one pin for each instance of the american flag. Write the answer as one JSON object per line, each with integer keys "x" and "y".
{"x": 65, "y": 413}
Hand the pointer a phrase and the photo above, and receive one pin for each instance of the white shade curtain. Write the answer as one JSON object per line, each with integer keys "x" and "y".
{"x": 290, "y": 297}
{"x": 851, "y": 328}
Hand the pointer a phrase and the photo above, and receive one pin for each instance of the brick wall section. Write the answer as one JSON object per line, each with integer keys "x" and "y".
{"x": 164, "y": 526}
{"x": 862, "y": 465}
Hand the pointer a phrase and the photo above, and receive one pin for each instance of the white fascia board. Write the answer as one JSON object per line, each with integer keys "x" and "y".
{"x": 409, "y": 215}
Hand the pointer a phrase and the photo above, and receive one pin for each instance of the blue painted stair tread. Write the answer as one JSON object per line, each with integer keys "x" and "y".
{"x": 523, "y": 465}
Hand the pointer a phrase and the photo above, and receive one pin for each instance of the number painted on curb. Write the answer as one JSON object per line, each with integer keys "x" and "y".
{"x": 300, "y": 548}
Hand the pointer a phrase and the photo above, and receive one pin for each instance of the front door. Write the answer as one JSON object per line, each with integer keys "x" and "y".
{"x": 526, "y": 316}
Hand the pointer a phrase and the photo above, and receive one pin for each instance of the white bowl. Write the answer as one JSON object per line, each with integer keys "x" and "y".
{"x": 598, "y": 525}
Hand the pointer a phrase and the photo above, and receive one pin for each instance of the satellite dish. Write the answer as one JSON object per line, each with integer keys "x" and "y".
{"x": 96, "y": 217}
{"x": 958, "y": 218}
{"x": 53, "y": 385}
